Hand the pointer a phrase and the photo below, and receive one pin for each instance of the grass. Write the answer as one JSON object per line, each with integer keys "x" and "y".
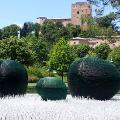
{"x": 31, "y": 88}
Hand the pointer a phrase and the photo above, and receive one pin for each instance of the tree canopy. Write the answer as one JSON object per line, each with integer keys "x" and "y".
{"x": 100, "y": 6}
{"x": 102, "y": 50}
{"x": 11, "y": 30}
{"x": 61, "y": 56}
{"x": 106, "y": 21}
{"x": 16, "y": 49}
{"x": 81, "y": 50}
{"x": 114, "y": 56}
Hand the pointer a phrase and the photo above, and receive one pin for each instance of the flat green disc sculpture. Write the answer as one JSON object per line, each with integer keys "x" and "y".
{"x": 51, "y": 88}
{"x": 93, "y": 78}
{"x": 13, "y": 78}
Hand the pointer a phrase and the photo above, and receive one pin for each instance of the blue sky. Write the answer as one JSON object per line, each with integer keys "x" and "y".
{"x": 20, "y": 11}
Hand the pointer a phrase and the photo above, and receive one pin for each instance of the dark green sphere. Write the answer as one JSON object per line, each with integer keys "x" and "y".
{"x": 94, "y": 78}
{"x": 51, "y": 88}
{"x": 13, "y": 78}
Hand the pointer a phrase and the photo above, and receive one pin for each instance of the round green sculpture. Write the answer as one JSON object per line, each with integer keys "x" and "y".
{"x": 51, "y": 88}
{"x": 94, "y": 78}
{"x": 13, "y": 78}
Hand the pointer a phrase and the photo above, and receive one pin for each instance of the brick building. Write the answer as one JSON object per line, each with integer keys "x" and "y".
{"x": 64, "y": 21}
{"x": 93, "y": 42}
{"x": 77, "y": 9}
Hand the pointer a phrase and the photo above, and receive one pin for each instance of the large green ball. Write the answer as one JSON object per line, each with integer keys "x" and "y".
{"x": 51, "y": 88}
{"x": 93, "y": 78}
{"x": 13, "y": 78}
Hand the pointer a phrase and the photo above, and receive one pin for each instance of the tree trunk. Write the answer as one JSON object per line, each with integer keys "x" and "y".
{"x": 62, "y": 75}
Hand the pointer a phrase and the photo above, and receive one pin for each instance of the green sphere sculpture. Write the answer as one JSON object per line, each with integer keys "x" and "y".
{"x": 51, "y": 88}
{"x": 13, "y": 78}
{"x": 95, "y": 78}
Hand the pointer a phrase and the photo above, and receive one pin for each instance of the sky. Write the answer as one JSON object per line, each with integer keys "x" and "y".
{"x": 20, "y": 11}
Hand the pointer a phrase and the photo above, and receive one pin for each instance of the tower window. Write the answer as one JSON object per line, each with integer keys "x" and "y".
{"x": 77, "y": 12}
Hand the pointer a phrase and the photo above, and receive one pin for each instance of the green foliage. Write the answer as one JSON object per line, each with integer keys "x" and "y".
{"x": 47, "y": 72}
{"x": 0, "y": 34}
{"x": 16, "y": 49}
{"x": 35, "y": 71}
{"x": 34, "y": 74}
{"x": 13, "y": 78}
{"x": 100, "y": 6}
{"x": 81, "y": 50}
{"x": 88, "y": 19}
{"x": 114, "y": 57}
{"x": 51, "y": 88}
{"x": 88, "y": 31}
{"x": 95, "y": 78}
{"x": 49, "y": 31}
{"x": 11, "y": 30}
{"x": 91, "y": 53}
{"x": 64, "y": 32}
{"x": 106, "y": 21}
{"x": 27, "y": 29}
{"x": 102, "y": 50}
{"x": 37, "y": 28}
{"x": 41, "y": 50}
{"x": 40, "y": 47}
{"x": 61, "y": 56}
{"x": 73, "y": 31}
{"x": 54, "y": 31}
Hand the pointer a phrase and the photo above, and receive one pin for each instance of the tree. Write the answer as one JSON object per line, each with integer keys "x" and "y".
{"x": 16, "y": 49}
{"x": 27, "y": 29}
{"x": 101, "y": 6}
{"x": 37, "y": 28}
{"x": 102, "y": 3}
{"x": 1, "y": 34}
{"x": 74, "y": 31}
{"x": 114, "y": 57}
{"x": 11, "y": 30}
{"x": 102, "y": 50}
{"x": 49, "y": 31}
{"x": 64, "y": 32}
{"x": 61, "y": 56}
{"x": 91, "y": 53}
{"x": 106, "y": 21}
{"x": 81, "y": 50}
{"x": 40, "y": 47}
{"x": 88, "y": 30}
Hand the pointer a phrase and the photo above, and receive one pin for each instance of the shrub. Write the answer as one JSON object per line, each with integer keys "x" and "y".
{"x": 35, "y": 71}
{"x": 17, "y": 49}
{"x": 81, "y": 50}
{"x": 93, "y": 78}
{"x": 114, "y": 57}
{"x": 51, "y": 88}
{"x": 102, "y": 50}
{"x": 33, "y": 79}
{"x": 13, "y": 78}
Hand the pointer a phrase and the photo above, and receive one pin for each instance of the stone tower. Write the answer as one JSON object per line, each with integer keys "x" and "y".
{"x": 78, "y": 9}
